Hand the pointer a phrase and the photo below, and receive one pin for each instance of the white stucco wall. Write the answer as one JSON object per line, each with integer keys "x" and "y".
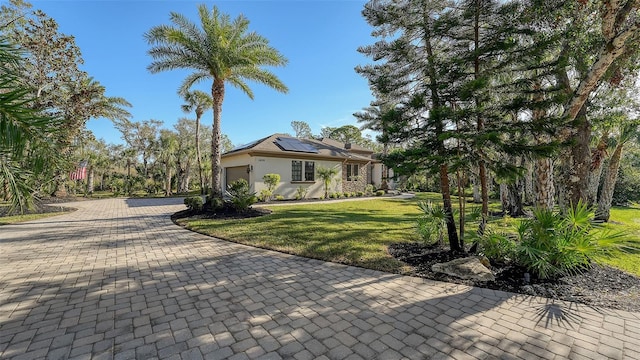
{"x": 282, "y": 166}
{"x": 377, "y": 176}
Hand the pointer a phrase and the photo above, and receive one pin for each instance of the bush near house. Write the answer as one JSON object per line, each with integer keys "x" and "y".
{"x": 194, "y": 203}
{"x": 301, "y": 193}
{"x": 241, "y": 196}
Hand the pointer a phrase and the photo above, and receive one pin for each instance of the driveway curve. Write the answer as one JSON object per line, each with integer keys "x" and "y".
{"x": 118, "y": 280}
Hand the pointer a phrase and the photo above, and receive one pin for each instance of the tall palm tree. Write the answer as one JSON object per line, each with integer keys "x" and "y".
{"x": 220, "y": 50}
{"x": 197, "y": 101}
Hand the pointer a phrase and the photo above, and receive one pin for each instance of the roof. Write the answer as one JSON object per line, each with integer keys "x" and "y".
{"x": 279, "y": 145}
{"x": 352, "y": 147}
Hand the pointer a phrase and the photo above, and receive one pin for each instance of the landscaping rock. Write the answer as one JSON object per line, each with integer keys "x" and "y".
{"x": 466, "y": 268}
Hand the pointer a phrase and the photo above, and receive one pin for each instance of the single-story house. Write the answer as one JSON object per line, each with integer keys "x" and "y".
{"x": 297, "y": 160}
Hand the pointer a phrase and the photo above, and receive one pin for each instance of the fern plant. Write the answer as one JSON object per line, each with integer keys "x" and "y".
{"x": 431, "y": 224}
{"x": 552, "y": 245}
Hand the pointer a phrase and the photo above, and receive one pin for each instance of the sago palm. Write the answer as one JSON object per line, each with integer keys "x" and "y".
{"x": 221, "y": 50}
{"x": 197, "y": 101}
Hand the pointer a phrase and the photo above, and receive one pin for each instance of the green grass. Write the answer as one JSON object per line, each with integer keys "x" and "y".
{"x": 625, "y": 219}
{"x": 355, "y": 233}
{"x": 6, "y": 220}
{"x": 358, "y": 233}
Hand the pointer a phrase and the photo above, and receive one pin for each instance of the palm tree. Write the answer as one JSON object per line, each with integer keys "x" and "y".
{"x": 197, "y": 101}
{"x": 220, "y": 50}
{"x": 85, "y": 99}
{"x": 628, "y": 132}
{"x": 326, "y": 174}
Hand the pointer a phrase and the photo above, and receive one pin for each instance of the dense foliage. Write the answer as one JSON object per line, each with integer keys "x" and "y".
{"x": 552, "y": 244}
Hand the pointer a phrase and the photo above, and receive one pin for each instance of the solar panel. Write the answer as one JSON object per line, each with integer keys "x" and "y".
{"x": 245, "y": 146}
{"x": 291, "y": 144}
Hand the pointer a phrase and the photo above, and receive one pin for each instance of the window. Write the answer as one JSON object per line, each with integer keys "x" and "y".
{"x": 309, "y": 171}
{"x": 296, "y": 170}
{"x": 353, "y": 172}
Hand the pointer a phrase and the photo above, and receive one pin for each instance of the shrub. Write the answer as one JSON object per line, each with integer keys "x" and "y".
{"x": 193, "y": 203}
{"x": 379, "y": 192}
{"x": 214, "y": 203}
{"x": 241, "y": 195}
{"x": 272, "y": 181}
{"x": 499, "y": 248}
{"x": 551, "y": 245}
{"x": 347, "y": 194}
{"x": 369, "y": 189}
{"x": 279, "y": 197}
{"x": 265, "y": 195}
{"x": 333, "y": 195}
{"x": 431, "y": 224}
{"x": 301, "y": 192}
{"x": 360, "y": 193}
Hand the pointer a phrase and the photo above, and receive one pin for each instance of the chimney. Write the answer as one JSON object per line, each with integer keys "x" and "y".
{"x": 347, "y": 146}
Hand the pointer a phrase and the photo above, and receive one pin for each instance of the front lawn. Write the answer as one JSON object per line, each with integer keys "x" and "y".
{"x": 628, "y": 220}
{"x": 358, "y": 233}
{"x": 354, "y": 233}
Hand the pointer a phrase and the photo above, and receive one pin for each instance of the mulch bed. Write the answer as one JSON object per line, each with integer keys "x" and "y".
{"x": 599, "y": 285}
{"x": 227, "y": 213}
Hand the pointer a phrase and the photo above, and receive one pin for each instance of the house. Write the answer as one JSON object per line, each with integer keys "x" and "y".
{"x": 297, "y": 160}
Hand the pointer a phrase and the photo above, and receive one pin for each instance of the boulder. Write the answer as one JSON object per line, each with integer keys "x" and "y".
{"x": 466, "y": 268}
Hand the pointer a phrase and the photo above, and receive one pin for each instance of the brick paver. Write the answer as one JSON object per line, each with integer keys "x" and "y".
{"x": 118, "y": 280}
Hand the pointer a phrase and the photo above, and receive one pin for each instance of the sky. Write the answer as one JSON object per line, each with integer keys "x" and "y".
{"x": 319, "y": 39}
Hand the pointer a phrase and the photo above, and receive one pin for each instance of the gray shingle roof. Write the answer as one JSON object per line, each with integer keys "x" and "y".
{"x": 326, "y": 149}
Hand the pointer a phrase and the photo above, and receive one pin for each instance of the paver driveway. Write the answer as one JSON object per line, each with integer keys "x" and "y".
{"x": 117, "y": 279}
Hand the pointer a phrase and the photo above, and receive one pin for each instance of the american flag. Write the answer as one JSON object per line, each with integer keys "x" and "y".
{"x": 80, "y": 171}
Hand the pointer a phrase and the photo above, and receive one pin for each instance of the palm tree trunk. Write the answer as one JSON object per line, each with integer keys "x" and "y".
{"x": 581, "y": 161}
{"x": 90, "y": 178}
{"x": 611, "y": 176}
{"x": 61, "y": 188}
{"x": 528, "y": 183}
{"x": 543, "y": 168}
{"x": 476, "y": 190}
{"x": 217, "y": 92}
{"x": 504, "y": 198}
{"x": 515, "y": 191}
{"x": 167, "y": 180}
{"x": 198, "y": 156}
{"x": 544, "y": 188}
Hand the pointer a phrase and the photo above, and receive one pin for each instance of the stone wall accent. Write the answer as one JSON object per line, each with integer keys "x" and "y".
{"x": 355, "y": 186}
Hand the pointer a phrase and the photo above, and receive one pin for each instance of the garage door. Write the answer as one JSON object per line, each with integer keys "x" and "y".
{"x": 235, "y": 173}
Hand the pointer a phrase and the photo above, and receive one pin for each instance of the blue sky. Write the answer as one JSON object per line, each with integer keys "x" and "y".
{"x": 319, "y": 38}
